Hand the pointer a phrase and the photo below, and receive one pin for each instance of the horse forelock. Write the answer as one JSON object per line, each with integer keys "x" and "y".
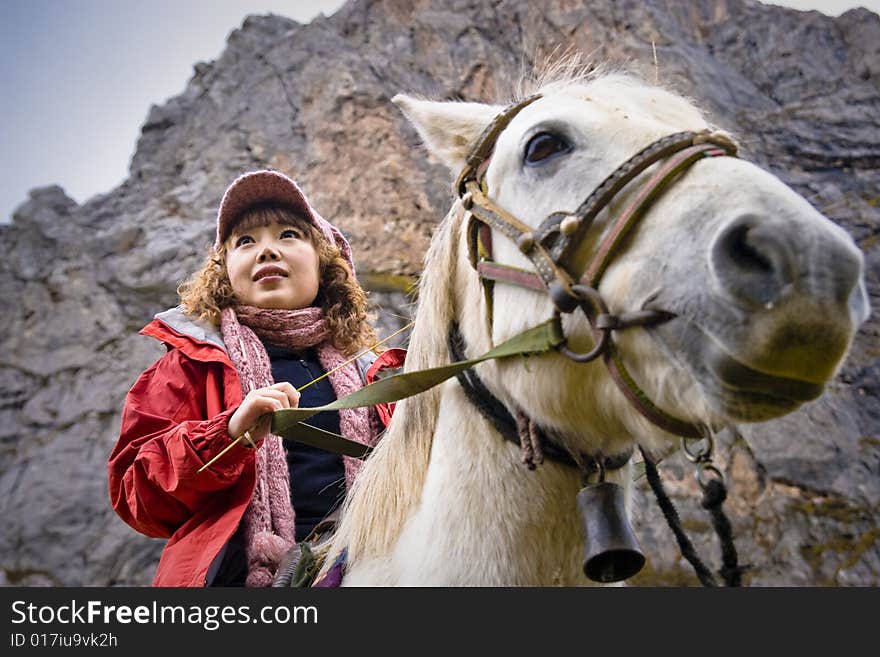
{"x": 389, "y": 485}
{"x": 557, "y": 73}
{"x": 574, "y": 74}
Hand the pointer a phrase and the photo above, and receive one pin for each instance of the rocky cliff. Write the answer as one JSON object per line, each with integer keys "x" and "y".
{"x": 802, "y": 91}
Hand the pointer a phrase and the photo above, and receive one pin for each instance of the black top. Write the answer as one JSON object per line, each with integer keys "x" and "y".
{"x": 317, "y": 477}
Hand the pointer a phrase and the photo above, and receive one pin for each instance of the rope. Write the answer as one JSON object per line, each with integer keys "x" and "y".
{"x": 672, "y": 519}
{"x": 714, "y": 494}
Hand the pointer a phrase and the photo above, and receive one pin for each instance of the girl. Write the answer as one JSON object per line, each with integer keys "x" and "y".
{"x": 275, "y": 306}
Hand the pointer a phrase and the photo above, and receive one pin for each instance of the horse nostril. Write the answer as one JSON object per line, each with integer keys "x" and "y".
{"x": 753, "y": 262}
{"x": 745, "y": 255}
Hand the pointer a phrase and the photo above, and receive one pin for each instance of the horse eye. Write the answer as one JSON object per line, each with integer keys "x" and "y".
{"x": 544, "y": 146}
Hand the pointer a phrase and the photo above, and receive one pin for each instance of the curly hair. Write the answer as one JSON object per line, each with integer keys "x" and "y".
{"x": 340, "y": 295}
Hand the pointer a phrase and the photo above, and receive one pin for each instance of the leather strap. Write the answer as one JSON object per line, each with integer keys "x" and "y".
{"x": 498, "y": 218}
{"x": 485, "y": 143}
{"x": 495, "y": 271}
{"x": 640, "y": 400}
{"x": 648, "y": 193}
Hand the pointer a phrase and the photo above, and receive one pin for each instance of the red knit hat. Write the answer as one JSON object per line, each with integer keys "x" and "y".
{"x": 272, "y": 187}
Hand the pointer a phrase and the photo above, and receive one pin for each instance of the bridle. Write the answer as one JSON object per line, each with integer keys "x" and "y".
{"x": 552, "y": 246}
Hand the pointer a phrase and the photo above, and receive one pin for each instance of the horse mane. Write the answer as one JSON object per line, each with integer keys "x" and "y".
{"x": 391, "y": 481}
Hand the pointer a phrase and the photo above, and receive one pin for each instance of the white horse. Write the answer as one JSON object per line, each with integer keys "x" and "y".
{"x": 763, "y": 296}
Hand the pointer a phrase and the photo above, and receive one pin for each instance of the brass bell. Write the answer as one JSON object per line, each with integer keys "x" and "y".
{"x": 611, "y": 551}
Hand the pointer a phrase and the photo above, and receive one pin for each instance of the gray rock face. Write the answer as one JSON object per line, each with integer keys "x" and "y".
{"x": 799, "y": 89}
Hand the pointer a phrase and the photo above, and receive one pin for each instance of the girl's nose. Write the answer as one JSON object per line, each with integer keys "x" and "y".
{"x": 268, "y": 252}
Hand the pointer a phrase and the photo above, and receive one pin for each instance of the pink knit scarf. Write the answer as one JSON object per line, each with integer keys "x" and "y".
{"x": 268, "y": 522}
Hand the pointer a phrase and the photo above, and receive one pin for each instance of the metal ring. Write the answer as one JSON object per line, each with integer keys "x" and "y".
{"x": 593, "y": 305}
{"x": 595, "y": 352}
{"x": 597, "y": 303}
{"x": 708, "y": 467}
{"x": 700, "y": 455}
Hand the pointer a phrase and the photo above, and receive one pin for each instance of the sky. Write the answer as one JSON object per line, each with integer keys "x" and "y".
{"x": 79, "y": 77}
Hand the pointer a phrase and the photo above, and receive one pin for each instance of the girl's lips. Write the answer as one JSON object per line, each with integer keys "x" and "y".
{"x": 270, "y": 272}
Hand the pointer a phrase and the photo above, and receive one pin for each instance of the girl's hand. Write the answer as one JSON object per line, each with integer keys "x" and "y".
{"x": 256, "y": 409}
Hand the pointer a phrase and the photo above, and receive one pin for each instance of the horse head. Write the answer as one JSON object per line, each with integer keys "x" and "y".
{"x": 761, "y": 294}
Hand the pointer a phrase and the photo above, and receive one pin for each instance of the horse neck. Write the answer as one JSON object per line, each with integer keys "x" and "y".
{"x": 390, "y": 484}
{"x": 444, "y": 498}
{"x": 484, "y": 518}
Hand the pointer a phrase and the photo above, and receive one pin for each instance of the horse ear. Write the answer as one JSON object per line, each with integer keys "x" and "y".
{"x": 448, "y": 129}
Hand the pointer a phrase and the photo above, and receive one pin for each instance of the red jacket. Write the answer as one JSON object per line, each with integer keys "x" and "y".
{"x": 173, "y": 422}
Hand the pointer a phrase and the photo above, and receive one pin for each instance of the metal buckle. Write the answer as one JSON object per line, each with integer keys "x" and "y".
{"x": 701, "y": 456}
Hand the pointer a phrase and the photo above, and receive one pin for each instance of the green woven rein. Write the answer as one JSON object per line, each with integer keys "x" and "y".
{"x": 288, "y": 422}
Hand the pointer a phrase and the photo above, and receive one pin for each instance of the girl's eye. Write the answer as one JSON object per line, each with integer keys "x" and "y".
{"x": 290, "y": 232}
{"x": 244, "y": 239}
{"x": 545, "y": 146}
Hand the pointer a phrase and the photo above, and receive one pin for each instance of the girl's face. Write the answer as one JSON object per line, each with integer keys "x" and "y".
{"x": 272, "y": 266}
